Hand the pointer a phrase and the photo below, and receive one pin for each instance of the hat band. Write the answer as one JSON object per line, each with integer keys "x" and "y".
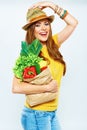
{"x": 37, "y": 18}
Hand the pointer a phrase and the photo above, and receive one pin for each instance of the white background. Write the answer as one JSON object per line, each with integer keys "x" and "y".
{"x": 73, "y": 98}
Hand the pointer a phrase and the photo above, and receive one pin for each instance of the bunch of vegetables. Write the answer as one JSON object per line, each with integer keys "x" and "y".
{"x": 29, "y": 64}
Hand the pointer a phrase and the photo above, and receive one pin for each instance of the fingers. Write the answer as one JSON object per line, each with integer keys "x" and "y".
{"x": 34, "y": 6}
{"x": 40, "y": 5}
{"x": 53, "y": 86}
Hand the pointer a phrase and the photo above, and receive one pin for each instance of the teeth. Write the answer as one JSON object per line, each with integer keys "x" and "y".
{"x": 43, "y": 33}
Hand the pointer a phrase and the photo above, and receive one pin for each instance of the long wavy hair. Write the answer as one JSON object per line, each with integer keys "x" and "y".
{"x": 52, "y": 48}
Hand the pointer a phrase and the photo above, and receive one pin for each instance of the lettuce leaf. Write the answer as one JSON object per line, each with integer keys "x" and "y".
{"x": 34, "y": 47}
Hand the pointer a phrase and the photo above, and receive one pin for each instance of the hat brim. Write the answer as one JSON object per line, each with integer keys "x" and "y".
{"x": 50, "y": 18}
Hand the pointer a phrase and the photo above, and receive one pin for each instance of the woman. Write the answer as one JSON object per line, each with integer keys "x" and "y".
{"x": 43, "y": 116}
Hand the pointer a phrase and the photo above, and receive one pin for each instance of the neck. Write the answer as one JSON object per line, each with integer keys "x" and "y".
{"x": 43, "y": 43}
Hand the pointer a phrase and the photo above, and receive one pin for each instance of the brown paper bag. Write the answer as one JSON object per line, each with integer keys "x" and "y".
{"x": 43, "y": 78}
{"x": 36, "y": 99}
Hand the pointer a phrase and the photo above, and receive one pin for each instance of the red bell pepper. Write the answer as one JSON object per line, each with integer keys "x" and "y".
{"x": 43, "y": 68}
{"x": 29, "y": 72}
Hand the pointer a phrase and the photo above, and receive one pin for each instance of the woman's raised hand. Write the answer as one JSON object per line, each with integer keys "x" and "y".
{"x": 43, "y": 4}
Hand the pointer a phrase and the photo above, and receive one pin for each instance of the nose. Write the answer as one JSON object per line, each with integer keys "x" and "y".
{"x": 43, "y": 27}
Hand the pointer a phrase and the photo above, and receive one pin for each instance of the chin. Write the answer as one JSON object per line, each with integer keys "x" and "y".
{"x": 43, "y": 41}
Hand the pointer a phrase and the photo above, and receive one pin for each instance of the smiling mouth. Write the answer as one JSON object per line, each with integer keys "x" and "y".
{"x": 43, "y": 33}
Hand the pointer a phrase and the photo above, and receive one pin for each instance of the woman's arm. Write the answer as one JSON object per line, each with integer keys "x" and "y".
{"x": 70, "y": 21}
{"x": 26, "y": 88}
{"x": 71, "y": 24}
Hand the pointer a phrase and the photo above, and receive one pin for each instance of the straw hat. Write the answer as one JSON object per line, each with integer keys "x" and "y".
{"x": 34, "y": 15}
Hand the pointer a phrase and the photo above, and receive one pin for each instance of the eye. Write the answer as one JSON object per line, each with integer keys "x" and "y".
{"x": 46, "y": 23}
{"x": 37, "y": 25}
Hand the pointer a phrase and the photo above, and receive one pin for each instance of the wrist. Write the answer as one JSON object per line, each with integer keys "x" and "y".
{"x": 52, "y": 6}
{"x": 60, "y": 11}
{"x": 46, "y": 88}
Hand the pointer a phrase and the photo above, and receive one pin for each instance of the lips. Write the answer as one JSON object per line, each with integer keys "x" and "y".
{"x": 43, "y": 33}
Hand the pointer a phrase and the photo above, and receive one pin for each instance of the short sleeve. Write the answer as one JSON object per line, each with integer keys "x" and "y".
{"x": 55, "y": 38}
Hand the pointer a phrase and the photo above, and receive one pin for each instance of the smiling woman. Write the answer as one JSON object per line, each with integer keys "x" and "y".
{"x": 38, "y": 27}
{"x": 42, "y": 29}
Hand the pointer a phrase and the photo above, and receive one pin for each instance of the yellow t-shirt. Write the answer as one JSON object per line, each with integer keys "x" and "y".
{"x": 56, "y": 69}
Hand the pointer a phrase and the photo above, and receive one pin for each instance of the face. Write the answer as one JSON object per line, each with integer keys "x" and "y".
{"x": 41, "y": 30}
